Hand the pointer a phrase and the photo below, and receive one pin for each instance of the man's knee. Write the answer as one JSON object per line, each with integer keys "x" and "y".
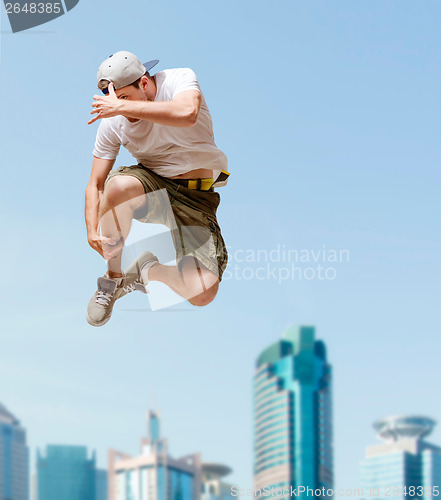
{"x": 206, "y": 297}
{"x": 122, "y": 188}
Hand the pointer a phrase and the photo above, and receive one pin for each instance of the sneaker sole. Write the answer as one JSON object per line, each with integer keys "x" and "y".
{"x": 97, "y": 323}
{"x": 104, "y": 321}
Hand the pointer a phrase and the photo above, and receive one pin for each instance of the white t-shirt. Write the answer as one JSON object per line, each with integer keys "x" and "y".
{"x": 168, "y": 151}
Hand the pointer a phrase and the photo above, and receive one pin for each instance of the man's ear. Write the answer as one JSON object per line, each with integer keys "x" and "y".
{"x": 144, "y": 82}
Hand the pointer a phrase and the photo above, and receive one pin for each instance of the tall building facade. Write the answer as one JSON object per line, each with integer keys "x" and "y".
{"x": 66, "y": 472}
{"x": 213, "y": 485}
{"x": 101, "y": 488}
{"x": 293, "y": 443}
{"x": 14, "y": 458}
{"x": 405, "y": 464}
{"x": 155, "y": 475}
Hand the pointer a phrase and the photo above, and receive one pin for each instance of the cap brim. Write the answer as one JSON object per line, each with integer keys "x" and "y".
{"x": 149, "y": 65}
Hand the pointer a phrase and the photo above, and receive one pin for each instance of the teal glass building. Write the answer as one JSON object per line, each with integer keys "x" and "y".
{"x": 66, "y": 472}
{"x": 405, "y": 465}
{"x": 101, "y": 488}
{"x": 154, "y": 474}
{"x": 14, "y": 458}
{"x": 213, "y": 485}
{"x": 293, "y": 416}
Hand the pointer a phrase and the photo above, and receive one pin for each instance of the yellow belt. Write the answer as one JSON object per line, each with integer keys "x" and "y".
{"x": 200, "y": 184}
{"x": 205, "y": 184}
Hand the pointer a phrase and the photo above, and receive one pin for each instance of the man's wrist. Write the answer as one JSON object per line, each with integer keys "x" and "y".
{"x": 92, "y": 233}
{"x": 123, "y": 107}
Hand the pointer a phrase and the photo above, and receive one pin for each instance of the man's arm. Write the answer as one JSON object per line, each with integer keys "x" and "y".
{"x": 182, "y": 111}
{"x": 94, "y": 191}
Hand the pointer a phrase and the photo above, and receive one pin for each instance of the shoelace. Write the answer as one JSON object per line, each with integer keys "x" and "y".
{"x": 136, "y": 285}
{"x": 103, "y": 298}
{"x": 129, "y": 288}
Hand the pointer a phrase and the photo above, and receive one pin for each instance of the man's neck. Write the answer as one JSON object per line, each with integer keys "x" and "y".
{"x": 155, "y": 87}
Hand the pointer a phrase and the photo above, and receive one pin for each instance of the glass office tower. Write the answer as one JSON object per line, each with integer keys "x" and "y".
{"x": 101, "y": 485}
{"x": 293, "y": 415}
{"x": 405, "y": 464}
{"x": 155, "y": 475}
{"x": 66, "y": 472}
{"x": 14, "y": 458}
{"x": 213, "y": 485}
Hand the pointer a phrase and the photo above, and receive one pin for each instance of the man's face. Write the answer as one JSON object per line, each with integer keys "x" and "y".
{"x": 131, "y": 93}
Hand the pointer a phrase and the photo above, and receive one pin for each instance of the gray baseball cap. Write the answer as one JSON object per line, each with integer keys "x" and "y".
{"x": 122, "y": 69}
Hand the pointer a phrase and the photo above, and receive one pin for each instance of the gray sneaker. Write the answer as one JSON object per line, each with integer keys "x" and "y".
{"x": 145, "y": 260}
{"x": 101, "y": 304}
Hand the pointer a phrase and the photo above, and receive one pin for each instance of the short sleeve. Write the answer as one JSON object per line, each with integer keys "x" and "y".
{"x": 106, "y": 144}
{"x": 185, "y": 80}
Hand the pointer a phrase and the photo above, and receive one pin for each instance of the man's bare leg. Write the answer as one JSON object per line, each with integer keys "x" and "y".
{"x": 194, "y": 283}
{"x": 122, "y": 196}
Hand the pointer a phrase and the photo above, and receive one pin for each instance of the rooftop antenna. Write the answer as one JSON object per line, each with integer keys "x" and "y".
{"x": 153, "y": 400}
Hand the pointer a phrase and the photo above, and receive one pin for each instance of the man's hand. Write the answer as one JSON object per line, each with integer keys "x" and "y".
{"x": 106, "y": 247}
{"x": 105, "y": 105}
{"x": 95, "y": 242}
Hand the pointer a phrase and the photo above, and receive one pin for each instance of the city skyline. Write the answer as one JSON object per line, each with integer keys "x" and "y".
{"x": 277, "y": 366}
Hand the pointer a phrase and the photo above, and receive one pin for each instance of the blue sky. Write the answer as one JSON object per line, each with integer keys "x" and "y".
{"x": 329, "y": 115}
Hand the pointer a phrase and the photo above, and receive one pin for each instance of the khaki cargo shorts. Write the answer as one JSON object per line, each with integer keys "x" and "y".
{"x": 190, "y": 215}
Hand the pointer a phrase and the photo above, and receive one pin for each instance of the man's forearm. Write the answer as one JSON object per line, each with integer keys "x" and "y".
{"x": 91, "y": 210}
{"x": 171, "y": 113}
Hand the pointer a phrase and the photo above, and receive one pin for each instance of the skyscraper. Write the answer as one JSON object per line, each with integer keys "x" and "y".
{"x": 101, "y": 485}
{"x": 213, "y": 485}
{"x": 293, "y": 414}
{"x": 405, "y": 463}
{"x": 155, "y": 475}
{"x": 14, "y": 458}
{"x": 66, "y": 472}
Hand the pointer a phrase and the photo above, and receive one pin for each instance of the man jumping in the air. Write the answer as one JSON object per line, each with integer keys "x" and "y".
{"x": 164, "y": 122}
